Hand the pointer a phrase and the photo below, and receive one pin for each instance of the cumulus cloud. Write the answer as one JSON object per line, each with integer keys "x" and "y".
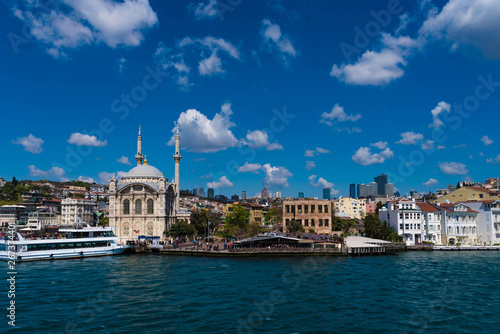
{"x": 30, "y": 143}
{"x": 124, "y": 160}
{"x": 276, "y": 42}
{"x": 317, "y": 151}
{"x": 430, "y": 182}
{"x": 104, "y": 176}
{"x": 453, "y": 168}
{"x": 378, "y": 68}
{"x": 201, "y": 134}
{"x": 121, "y": 65}
{"x": 365, "y": 157}
{"x": 86, "y": 179}
{"x": 441, "y": 147}
{"x": 428, "y": 145}
{"x": 204, "y": 10}
{"x": 54, "y": 172}
{"x": 466, "y": 23}
{"x": 275, "y": 176}
{"x": 80, "y": 139}
{"x": 310, "y": 165}
{"x": 380, "y": 145}
{"x": 487, "y": 141}
{"x": 339, "y": 115}
{"x": 69, "y": 24}
{"x": 322, "y": 183}
{"x": 410, "y": 138}
{"x": 494, "y": 161}
{"x": 222, "y": 183}
{"x": 442, "y": 107}
{"x": 258, "y": 138}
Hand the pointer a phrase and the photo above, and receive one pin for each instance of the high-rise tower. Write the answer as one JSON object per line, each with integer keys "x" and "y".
{"x": 138, "y": 156}
{"x": 177, "y": 159}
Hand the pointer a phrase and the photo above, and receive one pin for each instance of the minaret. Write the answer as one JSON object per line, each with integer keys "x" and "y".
{"x": 177, "y": 159}
{"x": 138, "y": 156}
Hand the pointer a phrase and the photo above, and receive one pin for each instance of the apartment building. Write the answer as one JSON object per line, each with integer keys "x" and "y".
{"x": 312, "y": 214}
{"x": 355, "y": 208}
{"x": 72, "y": 208}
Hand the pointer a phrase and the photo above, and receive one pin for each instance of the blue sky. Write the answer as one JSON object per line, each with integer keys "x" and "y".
{"x": 290, "y": 95}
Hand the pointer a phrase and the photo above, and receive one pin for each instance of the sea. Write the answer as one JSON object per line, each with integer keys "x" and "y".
{"x": 413, "y": 292}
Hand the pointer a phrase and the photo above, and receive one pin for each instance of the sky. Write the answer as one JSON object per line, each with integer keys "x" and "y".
{"x": 290, "y": 95}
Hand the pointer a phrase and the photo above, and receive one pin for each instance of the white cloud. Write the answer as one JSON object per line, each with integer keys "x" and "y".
{"x": 428, "y": 145}
{"x": 30, "y": 143}
{"x": 80, "y": 139}
{"x": 487, "y": 141}
{"x": 73, "y": 23}
{"x": 274, "y": 176}
{"x": 121, "y": 65}
{"x": 277, "y": 42}
{"x": 318, "y": 151}
{"x": 200, "y": 134}
{"x": 438, "y": 110}
{"x": 258, "y": 138}
{"x": 338, "y": 114}
{"x": 204, "y": 10}
{"x": 86, "y": 179}
{"x": 453, "y": 168}
{"x": 465, "y": 22}
{"x": 460, "y": 146}
{"x": 55, "y": 172}
{"x": 124, "y": 160}
{"x": 104, "y": 177}
{"x": 430, "y": 182}
{"x": 365, "y": 157}
{"x": 378, "y": 68}
{"x": 441, "y": 147}
{"x": 494, "y": 161}
{"x": 380, "y": 144}
{"x": 322, "y": 183}
{"x": 310, "y": 165}
{"x": 410, "y": 138}
{"x": 222, "y": 183}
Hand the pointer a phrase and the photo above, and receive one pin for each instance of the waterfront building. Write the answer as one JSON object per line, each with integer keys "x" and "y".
{"x": 459, "y": 224}
{"x": 488, "y": 221}
{"x": 211, "y": 193}
{"x": 352, "y": 207}
{"x": 256, "y": 211}
{"x": 405, "y": 217}
{"x": 312, "y": 214}
{"x": 352, "y": 191}
{"x": 74, "y": 208}
{"x": 327, "y": 193}
{"x": 432, "y": 222}
{"x": 143, "y": 202}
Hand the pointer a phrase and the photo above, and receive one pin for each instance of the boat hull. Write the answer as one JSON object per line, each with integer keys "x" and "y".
{"x": 62, "y": 254}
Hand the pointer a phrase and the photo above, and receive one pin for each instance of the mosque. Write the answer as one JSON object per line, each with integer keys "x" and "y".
{"x": 143, "y": 202}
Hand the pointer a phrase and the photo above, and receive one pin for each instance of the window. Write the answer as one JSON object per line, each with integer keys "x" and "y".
{"x": 287, "y": 208}
{"x": 407, "y": 226}
{"x": 150, "y": 206}
{"x": 400, "y": 226}
{"x": 138, "y": 207}
{"x": 126, "y": 207}
{"x": 312, "y": 222}
{"x": 306, "y": 208}
{"x": 306, "y": 222}
{"x": 326, "y": 208}
{"x": 326, "y": 222}
{"x": 320, "y": 208}
{"x": 320, "y": 222}
{"x": 299, "y": 208}
{"x": 312, "y": 208}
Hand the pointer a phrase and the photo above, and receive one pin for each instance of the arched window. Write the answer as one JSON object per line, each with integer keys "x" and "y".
{"x": 150, "y": 206}
{"x": 138, "y": 207}
{"x": 126, "y": 207}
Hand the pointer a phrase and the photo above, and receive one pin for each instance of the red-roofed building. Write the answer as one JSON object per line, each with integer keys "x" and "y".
{"x": 459, "y": 224}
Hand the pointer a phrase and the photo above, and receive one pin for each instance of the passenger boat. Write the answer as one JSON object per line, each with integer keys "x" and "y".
{"x": 78, "y": 242}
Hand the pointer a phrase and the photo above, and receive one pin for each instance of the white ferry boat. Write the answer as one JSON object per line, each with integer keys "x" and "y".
{"x": 73, "y": 243}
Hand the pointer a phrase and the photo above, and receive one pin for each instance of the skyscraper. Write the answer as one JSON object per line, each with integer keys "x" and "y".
{"x": 352, "y": 191}
{"x": 243, "y": 195}
{"x": 326, "y": 193}
{"x": 389, "y": 189}
{"x": 301, "y": 195}
{"x": 381, "y": 182}
{"x": 264, "y": 193}
{"x": 210, "y": 193}
{"x": 373, "y": 189}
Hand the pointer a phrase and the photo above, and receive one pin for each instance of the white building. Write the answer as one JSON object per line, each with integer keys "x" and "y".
{"x": 405, "y": 217}
{"x": 72, "y": 208}
{"x": 488, "y": 221}
{"x": 459, "y": 224}
{"x": 432, "y": 221}
{"x": 354, "y": 208}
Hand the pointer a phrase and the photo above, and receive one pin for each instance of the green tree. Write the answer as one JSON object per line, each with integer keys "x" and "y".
{"x": 104, "y": 221}
{"x": 273, "y": 215}
{"x": 181, "y": 229}
{"x": 238, "y": 217}
{"x": 295, "y": 227}
{"x": 379, "y": 206}
{"x": 254, "y": 229}
{"x": 199, "y": 220}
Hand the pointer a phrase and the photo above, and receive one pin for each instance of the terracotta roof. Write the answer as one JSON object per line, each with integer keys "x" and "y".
{"x": 479, "y": 189}
{"x": 427, "y": 207}
{"x": 446, "y": 206}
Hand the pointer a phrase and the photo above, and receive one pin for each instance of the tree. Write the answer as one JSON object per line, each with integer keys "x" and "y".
{"x": 254, "y": 229}
{"x": 295, "y": 227}
{"x": 238, "y": 217}
{"x": 374, "y": 228}
{"x": 104, "y": 221}
{"x": 273, "y": 215}
{"x": 181, "y": 229}
{"x": 200, "y": 219}
{"x": 379, "y": 206}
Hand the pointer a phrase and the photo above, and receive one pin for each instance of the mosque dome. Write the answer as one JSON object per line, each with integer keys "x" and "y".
{"x": 144, "y": 171}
